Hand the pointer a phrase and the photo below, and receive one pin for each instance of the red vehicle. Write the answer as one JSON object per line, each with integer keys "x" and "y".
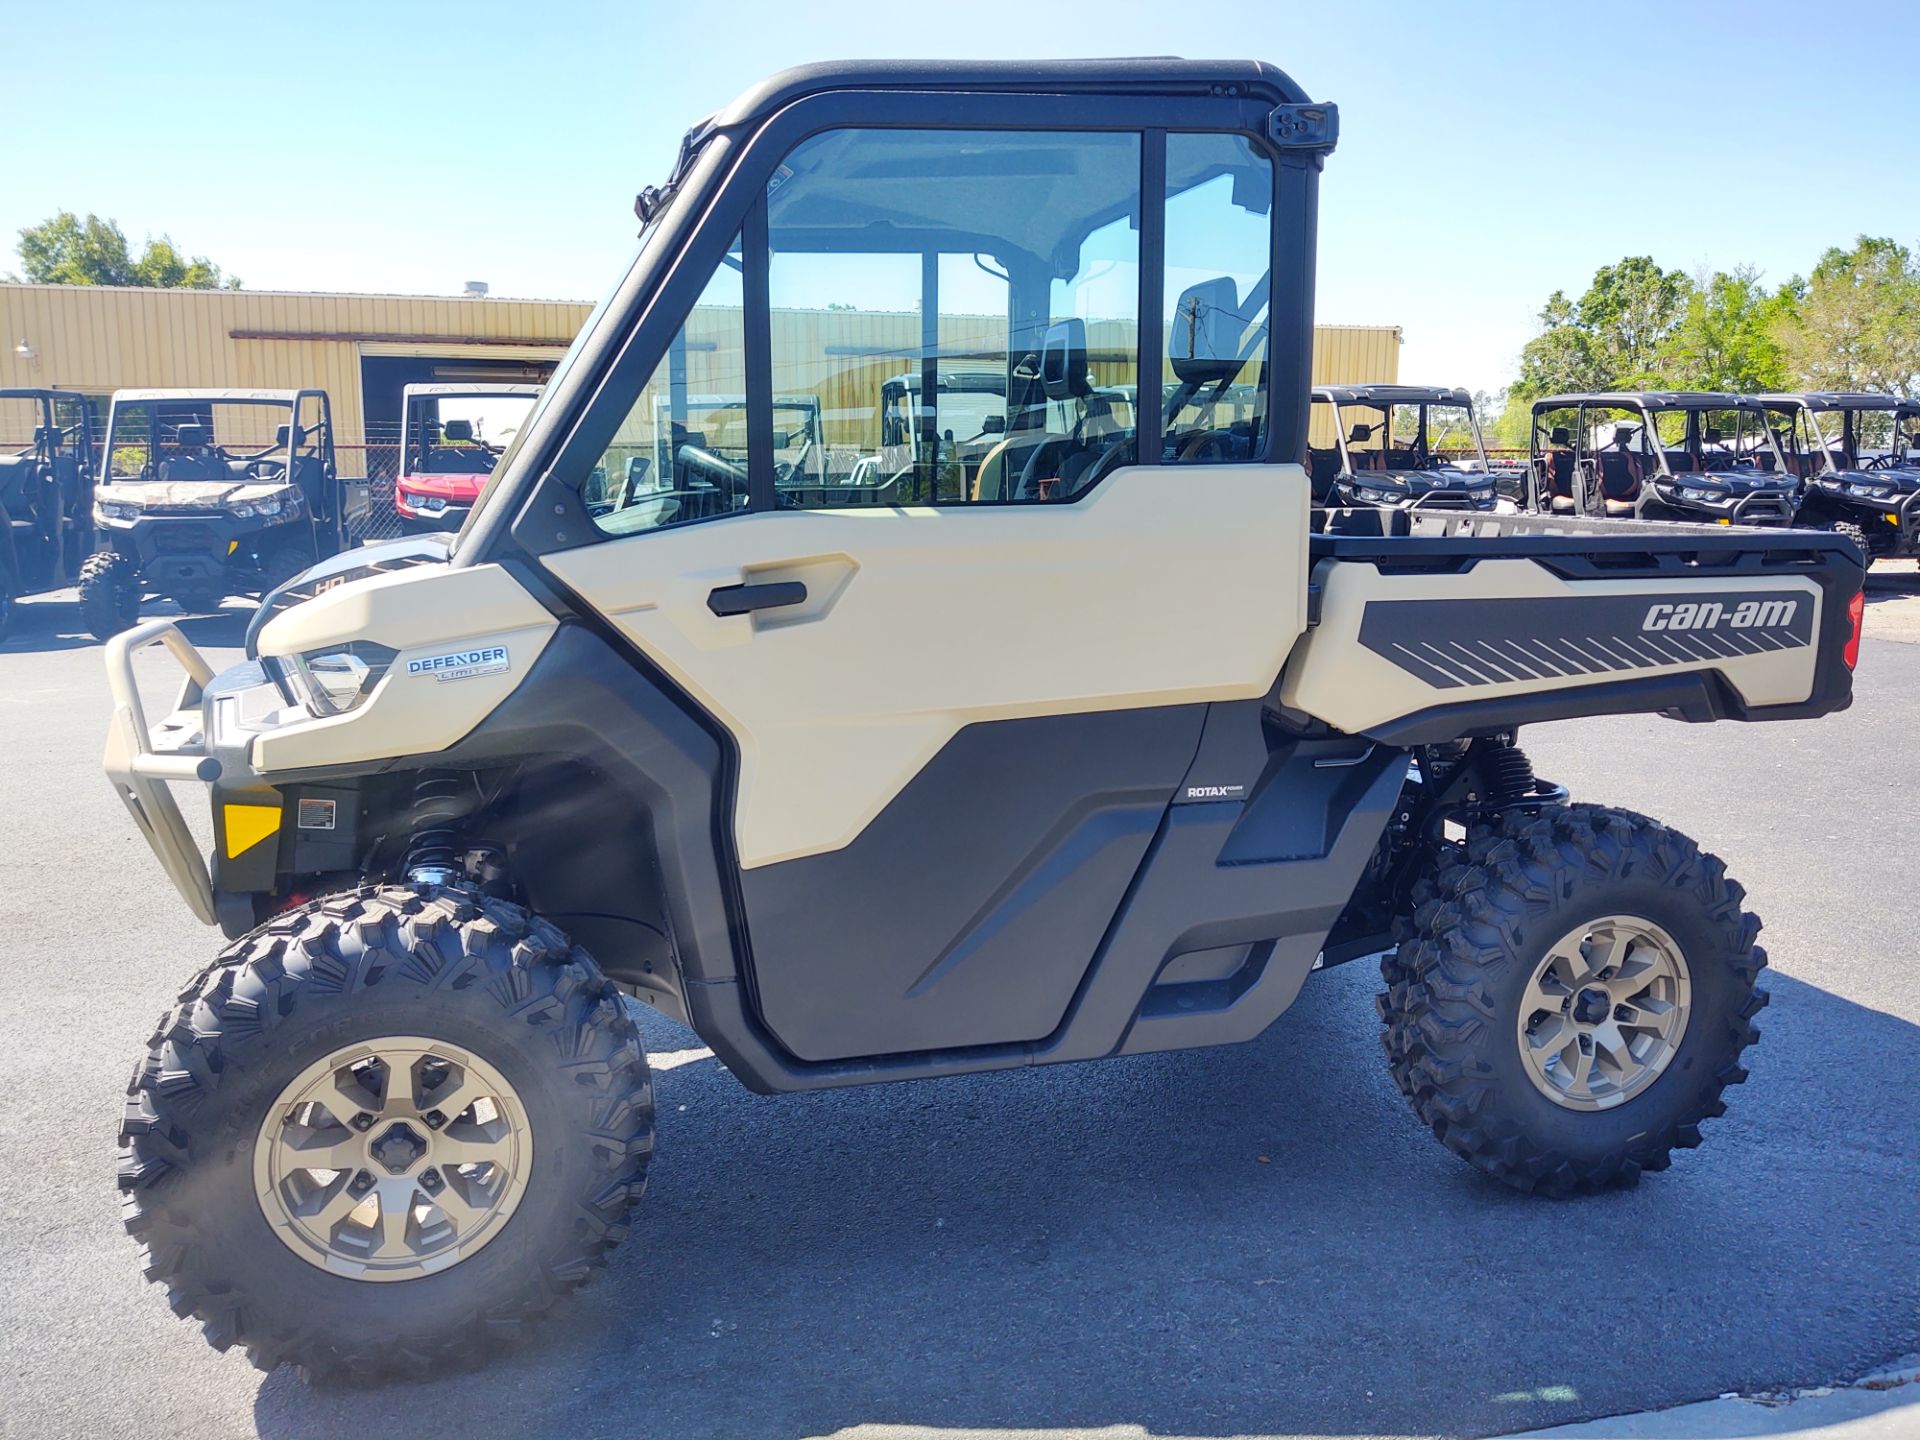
{"x": 445, "y": 451}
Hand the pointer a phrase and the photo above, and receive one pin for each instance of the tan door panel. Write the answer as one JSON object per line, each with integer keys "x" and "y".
{"x": 1166, "y": 585}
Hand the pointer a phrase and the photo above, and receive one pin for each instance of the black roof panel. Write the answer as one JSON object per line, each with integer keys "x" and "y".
{"x": 1162, "y": 75}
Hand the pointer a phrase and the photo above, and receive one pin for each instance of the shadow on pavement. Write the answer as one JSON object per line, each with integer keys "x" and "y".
{"x": 42, "y": 624}
{"x": 1244, "y": 1241}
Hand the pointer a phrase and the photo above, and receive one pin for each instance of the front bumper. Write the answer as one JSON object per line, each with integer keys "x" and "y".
{"x": 142, "y": 759}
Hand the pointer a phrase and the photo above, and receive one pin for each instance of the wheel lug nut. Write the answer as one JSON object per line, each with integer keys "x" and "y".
{"x": 361, "y": 1183}
{"x": 1623, "y": 1012}
{"x": 434, "y": 1119}
{"x": 430, "y": 1180}
{"x": 363, "y": 1121}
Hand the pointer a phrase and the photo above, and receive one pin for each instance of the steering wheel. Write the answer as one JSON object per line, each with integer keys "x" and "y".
{"x": 725, "y": 476}
{"x": 1879, "y": 462}
{"x": 1208, "y": 445}
{"x": 261, "y": 468}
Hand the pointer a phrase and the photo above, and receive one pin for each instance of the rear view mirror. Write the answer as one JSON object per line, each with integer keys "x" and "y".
{"x": 1360, "y": 434}
{"x": 1711, "y": 435}
{"x": 1063, "y": 360}
{"x": 457, "y": 431}
{"x": 994, "y": 425}
{"x": 1204, "y": 346}
{"x": 782, "y": 439}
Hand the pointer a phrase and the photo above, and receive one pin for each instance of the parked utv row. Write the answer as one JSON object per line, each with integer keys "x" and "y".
{"x": 1849, "y": 463}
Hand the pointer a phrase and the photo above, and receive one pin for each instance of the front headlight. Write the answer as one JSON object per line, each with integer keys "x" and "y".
{"x": 1368, "y": 495}
{"x": 243, "y": 511}
{"x": 108, "y": 510}
{"x": 332, "y": 680}
{"x": 1702, "y": 496}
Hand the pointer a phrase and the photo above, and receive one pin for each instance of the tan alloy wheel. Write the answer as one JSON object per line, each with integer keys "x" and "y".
{"x": 392, "y": 1159}
{"x": 1604, "y": 1013}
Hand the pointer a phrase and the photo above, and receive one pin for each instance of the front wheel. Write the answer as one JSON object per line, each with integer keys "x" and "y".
{"x": 384, "y": 1131}
{"x": 109, "y": 594}
{"x": 1573, "y": 998}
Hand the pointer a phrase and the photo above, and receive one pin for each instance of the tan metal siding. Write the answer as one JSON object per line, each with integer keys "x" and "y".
{"x": 99, "y": 339}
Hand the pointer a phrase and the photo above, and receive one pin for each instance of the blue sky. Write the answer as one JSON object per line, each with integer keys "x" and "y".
{"x": 1489, "y": 153}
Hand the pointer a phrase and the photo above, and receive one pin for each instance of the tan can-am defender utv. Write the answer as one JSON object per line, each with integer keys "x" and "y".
{"x": 1104, "y": 765}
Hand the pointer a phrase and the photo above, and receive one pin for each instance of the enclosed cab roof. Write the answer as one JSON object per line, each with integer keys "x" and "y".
{"x": 1651, "y": 400}
{"x": 1393, "y": 394}
{"x": 1153, "y": 75}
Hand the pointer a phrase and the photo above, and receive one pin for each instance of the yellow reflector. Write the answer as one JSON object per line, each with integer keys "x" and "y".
{"x": 1892, "y": 519}
{"x": 248, "y": 825}
{"x": 232, "y": 545}
{"x": 1725, "y": 521}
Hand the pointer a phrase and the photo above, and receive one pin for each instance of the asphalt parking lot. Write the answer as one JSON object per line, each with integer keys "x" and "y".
{"x": 1260, "y": 1240}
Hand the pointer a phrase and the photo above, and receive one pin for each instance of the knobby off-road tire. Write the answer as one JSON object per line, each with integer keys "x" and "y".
{"x": 109, "y": 594}
{"x": 1857, "y": 534}
{"x": 282, "y": 1004}
{"x": 1483, "y": 923}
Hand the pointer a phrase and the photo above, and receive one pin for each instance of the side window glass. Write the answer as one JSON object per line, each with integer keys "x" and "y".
{"x": 955, "y": 315}
{"x": 1219, "y": 247}
{"x": 681, "y": 453}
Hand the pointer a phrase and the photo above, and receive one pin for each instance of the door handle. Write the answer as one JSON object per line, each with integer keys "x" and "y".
{"x": 739, "y": 599}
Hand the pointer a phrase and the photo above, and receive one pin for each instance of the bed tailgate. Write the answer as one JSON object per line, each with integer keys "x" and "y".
{"x": 1420, "y": 639}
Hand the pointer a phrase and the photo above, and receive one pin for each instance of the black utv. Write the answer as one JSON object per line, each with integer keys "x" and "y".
{"x": 46, "y": 488}
{"x": 1685, "y": 455}
{"x": 1399, "y": 447}
{"x": 1859, "y": 457}
{"x": 209, "y": 493}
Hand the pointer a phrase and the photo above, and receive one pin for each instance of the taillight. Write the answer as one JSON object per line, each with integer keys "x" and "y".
{"x": 1857, "y": 613}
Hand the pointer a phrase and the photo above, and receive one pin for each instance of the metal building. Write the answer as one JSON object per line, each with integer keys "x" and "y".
{"x": 363, "y": 349}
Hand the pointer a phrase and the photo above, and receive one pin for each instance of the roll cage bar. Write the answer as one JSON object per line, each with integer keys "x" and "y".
{"x": 718, "y": 191}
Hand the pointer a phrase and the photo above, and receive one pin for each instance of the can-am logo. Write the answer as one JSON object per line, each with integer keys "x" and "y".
{"x": 1712, "y": 615}
{"x": 461, "y": 664}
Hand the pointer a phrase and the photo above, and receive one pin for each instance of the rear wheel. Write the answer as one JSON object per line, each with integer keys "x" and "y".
{"x": 109, "y": 594}
{"x": 385, "y": 1131}
{"x": 1573, "y": 998}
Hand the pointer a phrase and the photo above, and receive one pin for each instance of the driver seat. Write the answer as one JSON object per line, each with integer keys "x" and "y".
{"x": 196, "y": 459}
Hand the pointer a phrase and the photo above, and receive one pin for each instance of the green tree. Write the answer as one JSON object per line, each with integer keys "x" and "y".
{"x": 1727, "y": 337}
{"x": 67, "y": 250}
{"x": 1856, "y": 322}
{"x": 1615, "y": 337}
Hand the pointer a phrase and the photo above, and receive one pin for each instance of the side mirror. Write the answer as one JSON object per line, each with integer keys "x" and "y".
{"x": 1360, "y": 434}
{"x": 457, "y": 431}
{"x": 1204, "y": 343}
{"x": 1710, "y": 436}
{"x": 994, "y": 425}
{"x": 782, "y": 439}
{"x": 1561, "y": 436}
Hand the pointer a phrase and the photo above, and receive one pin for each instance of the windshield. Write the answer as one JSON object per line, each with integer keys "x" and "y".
{"x": 198, "y": 439}
{"x": 1422, "y": 435}
{"x": 22, "y": 418}
{"x": 1845, "y": 439}
{"x": 462, "y": 434}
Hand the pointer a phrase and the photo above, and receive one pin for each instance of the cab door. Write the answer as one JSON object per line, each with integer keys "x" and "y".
{"x": 958, "y": 719}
